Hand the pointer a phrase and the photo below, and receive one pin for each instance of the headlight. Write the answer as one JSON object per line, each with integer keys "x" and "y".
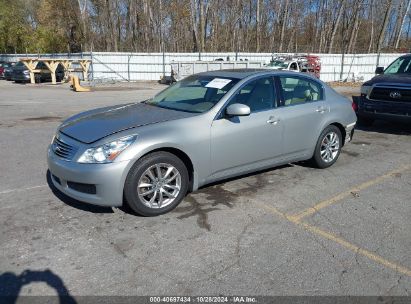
{"x": 365, "y": 90}
{"x": 26, "y": 72}
{"x": 108, "y": 152}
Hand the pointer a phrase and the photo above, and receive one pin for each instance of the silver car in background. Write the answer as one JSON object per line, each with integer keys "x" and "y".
{"x": 205, "y": 128}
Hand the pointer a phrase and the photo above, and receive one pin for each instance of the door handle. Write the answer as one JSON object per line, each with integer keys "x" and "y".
{"x": 321, "y": 110}
{"x": 272, "y": 120}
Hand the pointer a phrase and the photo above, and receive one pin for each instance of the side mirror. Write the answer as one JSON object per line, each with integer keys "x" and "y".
{"x": 379, "y": 70}
{"x": 237, "y": 109}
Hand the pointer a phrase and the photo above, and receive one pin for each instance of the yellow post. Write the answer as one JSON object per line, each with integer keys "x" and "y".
{"x": 76, "y": 84}
{"x": 85, "y": 65}
{"x": 67, "y": 66}
{"x": 52, "y": 66}
{"x": 31, "y": 66}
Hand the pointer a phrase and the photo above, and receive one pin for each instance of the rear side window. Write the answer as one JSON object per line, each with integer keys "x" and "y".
{"x": 298, "y": 90}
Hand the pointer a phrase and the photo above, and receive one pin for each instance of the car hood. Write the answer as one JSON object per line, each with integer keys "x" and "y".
{"x": 390, "y": 79}
{"x": 93, "y": 125}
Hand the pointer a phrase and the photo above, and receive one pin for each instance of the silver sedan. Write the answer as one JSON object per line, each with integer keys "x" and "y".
{"x": 208, "y": 127}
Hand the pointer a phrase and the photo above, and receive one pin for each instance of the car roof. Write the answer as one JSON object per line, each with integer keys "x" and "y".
{"x": 234, "y": 73}
{"x": 243, "y": 73}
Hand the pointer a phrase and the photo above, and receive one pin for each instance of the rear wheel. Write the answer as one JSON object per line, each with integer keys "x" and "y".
{"x": 37, "y": 78}
{"x": 156, "y": 184}
{"x": 328, "y": 147}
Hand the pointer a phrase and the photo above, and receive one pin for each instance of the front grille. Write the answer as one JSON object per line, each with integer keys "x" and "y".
{"x": 394, "y": 94}
{"x": 63, "y": 149}
{"x": 85, "y": 188}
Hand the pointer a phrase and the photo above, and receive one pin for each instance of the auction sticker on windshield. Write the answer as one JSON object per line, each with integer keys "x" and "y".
{"x": 218, "y": 83}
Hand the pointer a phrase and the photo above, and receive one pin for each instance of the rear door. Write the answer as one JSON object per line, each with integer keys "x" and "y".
{"x": 302, "y": 111}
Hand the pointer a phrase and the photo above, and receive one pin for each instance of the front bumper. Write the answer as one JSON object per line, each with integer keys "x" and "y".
{"x": 20, "y": 77}
{"x": 398, "y": 111}
{"x": 7, "y": 75}
{"x": 107, "y": 179}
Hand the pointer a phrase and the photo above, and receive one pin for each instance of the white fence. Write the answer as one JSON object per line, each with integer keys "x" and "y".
{"x": 184, "y": 69}
{"x": 151, "y": 66}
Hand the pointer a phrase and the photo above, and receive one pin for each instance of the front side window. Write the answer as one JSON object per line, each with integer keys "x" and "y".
{"x": 293, "y": 66}
{"x": 299, "y": 90}
{"x": 278, "y": 64}
{"x": 401, "y": 65}
{"x": 257, "y": 94}
{"x": 19, "y": 65}
{"x": 194, "y": 94}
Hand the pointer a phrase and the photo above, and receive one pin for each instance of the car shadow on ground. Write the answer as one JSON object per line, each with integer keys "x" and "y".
{"x": 11, "y": 285}
{"x": 126, "y": 209}
{"x": 73, "y": 202}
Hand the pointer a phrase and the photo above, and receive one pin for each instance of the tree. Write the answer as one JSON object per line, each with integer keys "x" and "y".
{"x": 204, "y": 25}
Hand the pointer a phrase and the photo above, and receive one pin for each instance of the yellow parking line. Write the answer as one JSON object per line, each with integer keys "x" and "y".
{"x": 357, "y": 249}
{"x": 327, "y": 235}
{"x": 342, "y": 195}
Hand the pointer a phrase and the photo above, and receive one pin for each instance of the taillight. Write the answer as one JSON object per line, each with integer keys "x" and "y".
{"x": 354, "y": 106}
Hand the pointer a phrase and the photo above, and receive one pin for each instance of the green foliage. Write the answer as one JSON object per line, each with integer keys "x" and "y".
{"x": 13, "y": 28}
{"x": 30, "y": 26}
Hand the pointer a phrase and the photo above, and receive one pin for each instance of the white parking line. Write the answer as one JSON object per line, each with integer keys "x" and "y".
{"x": 22, "y": 189}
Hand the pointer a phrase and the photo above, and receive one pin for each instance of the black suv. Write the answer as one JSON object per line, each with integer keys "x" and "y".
{"x": 387, "y": 95}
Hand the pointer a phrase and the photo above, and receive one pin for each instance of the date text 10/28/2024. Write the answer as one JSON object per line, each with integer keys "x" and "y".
{"x": 205, "y": 299}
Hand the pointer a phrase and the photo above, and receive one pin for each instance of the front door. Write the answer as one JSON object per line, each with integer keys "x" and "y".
{"x": 245, "y": 143}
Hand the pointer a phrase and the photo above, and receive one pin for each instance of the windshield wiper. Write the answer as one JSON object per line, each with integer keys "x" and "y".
{"x": 176, "y": 109}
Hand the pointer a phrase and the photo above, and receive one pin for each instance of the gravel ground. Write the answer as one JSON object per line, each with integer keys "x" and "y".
{"x": 292, "y": 230}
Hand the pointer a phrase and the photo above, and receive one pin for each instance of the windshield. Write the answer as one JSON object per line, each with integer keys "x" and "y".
{"x": 401, "y": 65}
{"x": 195, "y": 94}
{"x": 278, "y": 63}
{"x": 19, "y": 65}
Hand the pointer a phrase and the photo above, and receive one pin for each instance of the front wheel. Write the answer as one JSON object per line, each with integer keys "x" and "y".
{"x": 156, "y": 184}
{"x": 328, "y": 147}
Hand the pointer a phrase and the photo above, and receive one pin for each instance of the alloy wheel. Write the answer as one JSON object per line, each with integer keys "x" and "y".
{"x": 159, "y": 185}
{"x": 330, "y": 146}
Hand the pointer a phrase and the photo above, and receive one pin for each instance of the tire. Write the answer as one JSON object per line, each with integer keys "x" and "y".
{"x": 325, "y": 156}
{"x": 37, "y": 78}
{"x": 139, "y": 182}
{"x": 365, "y": 121}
